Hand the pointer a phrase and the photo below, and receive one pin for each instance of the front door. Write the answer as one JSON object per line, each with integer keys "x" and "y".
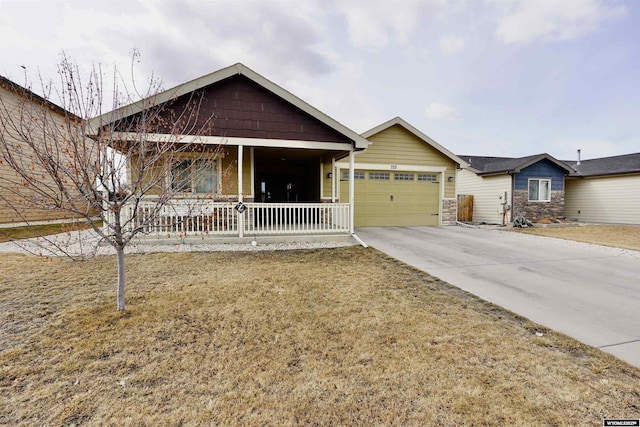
{"x": 280, "y": 188}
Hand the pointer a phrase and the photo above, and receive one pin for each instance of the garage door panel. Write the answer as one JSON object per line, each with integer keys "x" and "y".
{"x": 413, "y": 202}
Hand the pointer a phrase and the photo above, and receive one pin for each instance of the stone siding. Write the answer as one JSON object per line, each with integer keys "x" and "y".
{"x": 449, "y": 211}
{"x": 538, "y": 211}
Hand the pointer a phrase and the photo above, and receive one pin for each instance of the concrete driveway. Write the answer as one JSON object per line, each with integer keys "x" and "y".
{"x": 589, "y": 292}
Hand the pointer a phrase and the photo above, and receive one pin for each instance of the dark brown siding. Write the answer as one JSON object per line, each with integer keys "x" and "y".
{"x": 241, "y": 108}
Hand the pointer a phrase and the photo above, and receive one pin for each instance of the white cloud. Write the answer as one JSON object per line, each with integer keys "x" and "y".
{"x": 440, "y": 112}
{"x": 451, "y": 44}
{"x": 548, "y": 20}
{"x": 376, "y": 24}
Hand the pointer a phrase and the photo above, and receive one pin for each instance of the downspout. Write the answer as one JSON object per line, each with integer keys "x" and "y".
{"x": 352, "y": 155}
{"x": 513, "y": 189}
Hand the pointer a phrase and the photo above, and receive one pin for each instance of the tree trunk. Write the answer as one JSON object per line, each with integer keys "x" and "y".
{"x": 120, "y": 252}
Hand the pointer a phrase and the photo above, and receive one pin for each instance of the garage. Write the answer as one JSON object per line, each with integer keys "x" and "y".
{"x": 385, "y": 198}
{"x": 403, "y": 178}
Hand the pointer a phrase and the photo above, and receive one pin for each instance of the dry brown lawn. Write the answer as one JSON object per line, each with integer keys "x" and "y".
{"x": 326, "y": 337}
{"x": 16, "y": 233}
{"x": 621, "y": 236}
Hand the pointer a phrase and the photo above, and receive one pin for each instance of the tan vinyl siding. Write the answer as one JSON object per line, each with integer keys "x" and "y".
{"x": 397, "y": 146}
{"x": 488, "y": 195}
{"x": 614, "y": 200}
{"x": 230, "y": 172}
{"x": 326, "y": 181}
{"x": 11, "y": 181}
{"x": 149, "y": 176}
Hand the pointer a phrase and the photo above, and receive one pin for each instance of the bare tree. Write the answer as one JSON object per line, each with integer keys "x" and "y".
{"x": 101, "y": 168}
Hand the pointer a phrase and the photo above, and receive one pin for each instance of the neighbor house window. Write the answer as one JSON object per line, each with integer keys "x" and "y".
{"x": 194, "y": 176}
{"x": 379, "y": 176}
{"x": 539, "y": 190}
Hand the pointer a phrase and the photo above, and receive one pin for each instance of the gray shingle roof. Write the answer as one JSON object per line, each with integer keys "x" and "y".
{"x": 499, "y": 165}
{"x": 615, "y": 165}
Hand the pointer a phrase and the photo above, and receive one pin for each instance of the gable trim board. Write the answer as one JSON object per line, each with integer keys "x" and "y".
{"x": 236, "y": 141}
{"x": 396, "y": 168}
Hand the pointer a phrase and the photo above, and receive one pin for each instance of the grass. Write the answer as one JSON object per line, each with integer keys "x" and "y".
{"x": 621, "y": 236}
{"x": 27, "y": 232}
{"x": 328, "y": 337}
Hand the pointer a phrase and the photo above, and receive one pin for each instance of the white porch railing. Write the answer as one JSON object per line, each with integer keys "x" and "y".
{"x": 186, "y": 217}
{"x": 296, "y": 218}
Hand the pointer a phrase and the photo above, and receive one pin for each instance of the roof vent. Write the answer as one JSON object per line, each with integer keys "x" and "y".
{"x": 579, "y": 151}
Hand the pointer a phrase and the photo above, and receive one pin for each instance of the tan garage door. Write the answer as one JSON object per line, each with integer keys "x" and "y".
{"x": 393, "y": 198}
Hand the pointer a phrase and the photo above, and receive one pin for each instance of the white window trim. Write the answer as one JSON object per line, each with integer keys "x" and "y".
{"x": 539, "y": 181}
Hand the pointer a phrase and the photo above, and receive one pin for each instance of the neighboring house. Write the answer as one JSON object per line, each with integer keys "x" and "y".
{"x": 604, "y": 190}
{"x": 503, "y": 187}
{"x": 274, "y": 152}
{"x": 403, "y": 178}
{"x": 21, "y": 106}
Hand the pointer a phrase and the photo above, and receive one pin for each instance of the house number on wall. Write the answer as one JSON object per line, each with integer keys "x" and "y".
{"x": 394, "y": 167}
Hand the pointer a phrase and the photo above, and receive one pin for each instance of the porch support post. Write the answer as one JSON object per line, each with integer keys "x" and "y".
{"x": 321, "y": 180}
{"x": 240, "y": 215}
{"x": 333, "y": 180}
{"x": 352, "y": 227}
{"x": 253, "y": 169}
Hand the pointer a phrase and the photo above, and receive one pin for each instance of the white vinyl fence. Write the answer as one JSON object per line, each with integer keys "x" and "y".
{"x": 186, "y": 217}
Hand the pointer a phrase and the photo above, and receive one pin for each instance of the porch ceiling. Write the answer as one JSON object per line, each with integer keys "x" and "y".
{"x": 295, "y": 154}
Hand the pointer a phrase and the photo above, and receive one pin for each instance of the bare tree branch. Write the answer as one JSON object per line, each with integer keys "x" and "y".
{"x": 75, "y": 162}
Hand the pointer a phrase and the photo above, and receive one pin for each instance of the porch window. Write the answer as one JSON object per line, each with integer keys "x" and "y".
{"x": 194, "y": 176}
{"x": 539, "y": 190}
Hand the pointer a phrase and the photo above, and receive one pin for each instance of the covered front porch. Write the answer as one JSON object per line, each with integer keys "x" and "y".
{"x": 247, "y": 158}
{"x": 284, "y": 190}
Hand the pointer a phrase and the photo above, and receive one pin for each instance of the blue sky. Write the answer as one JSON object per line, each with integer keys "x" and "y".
{"x": 481, "y": 77}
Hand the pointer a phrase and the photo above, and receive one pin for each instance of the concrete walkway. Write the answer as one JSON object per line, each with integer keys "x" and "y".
{"x": 589, "y": 292}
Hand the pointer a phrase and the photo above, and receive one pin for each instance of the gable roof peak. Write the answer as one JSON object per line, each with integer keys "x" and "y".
{"x": 215, "y": 77}
{"x": 502, "y": 165}
{"x": 399, "y": 121}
